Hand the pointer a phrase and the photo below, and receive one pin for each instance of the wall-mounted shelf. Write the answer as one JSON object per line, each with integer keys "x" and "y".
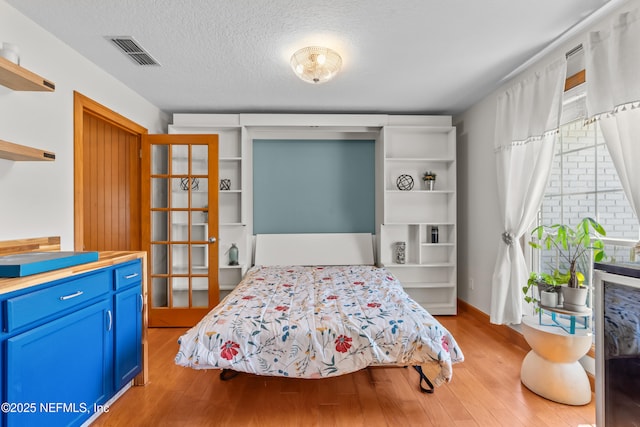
{"x": 15, "y": 77}
{"x": 17, "y": 152}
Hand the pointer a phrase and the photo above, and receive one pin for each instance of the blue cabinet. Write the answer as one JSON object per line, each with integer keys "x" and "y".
{"x": 128, "y": 335}
{"x": 68, "y": 346}
{"x": 62, "y": 368}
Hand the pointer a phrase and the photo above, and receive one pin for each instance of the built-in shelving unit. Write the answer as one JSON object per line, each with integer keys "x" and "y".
{"x": 429, "y": 271}
{"x": 408, "y": 145}
{"x": 17, "y": 152}
{"x": 231, "y": 203}
{"x": 16, "y": 77}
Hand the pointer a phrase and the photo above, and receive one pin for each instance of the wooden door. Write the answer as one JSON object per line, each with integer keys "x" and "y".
{"x": 111, "y": 179}
{"x": 180, "y": 213}
{"x": 107, "y": 196}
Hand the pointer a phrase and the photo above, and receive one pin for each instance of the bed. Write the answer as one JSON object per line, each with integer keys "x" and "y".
{"x": 315, "y": 306}
{"x": 622, "y": 320}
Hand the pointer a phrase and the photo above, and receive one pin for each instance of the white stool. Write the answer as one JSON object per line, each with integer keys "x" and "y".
{"x": 551, "y": 369}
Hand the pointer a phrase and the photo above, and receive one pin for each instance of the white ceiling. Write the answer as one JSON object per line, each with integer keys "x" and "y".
{"x": 399, "y": 56}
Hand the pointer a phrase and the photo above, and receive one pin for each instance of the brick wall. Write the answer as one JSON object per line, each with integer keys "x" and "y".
{"x": 584, "y": 182}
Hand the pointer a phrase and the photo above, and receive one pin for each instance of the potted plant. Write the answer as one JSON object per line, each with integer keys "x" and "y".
{"x": 429, "y": 179}
{"x": 548, "y": 290}
{"x": 572, "y": 244}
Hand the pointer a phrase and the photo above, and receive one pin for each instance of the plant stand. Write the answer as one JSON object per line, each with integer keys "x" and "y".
{"x": 557, "y": 315}
{"x": 551, "y": 369}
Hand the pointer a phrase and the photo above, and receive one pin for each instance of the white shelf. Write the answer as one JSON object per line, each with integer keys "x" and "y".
{"x": 421, "y": 191}
{"x": 195, "y": 269}
{"x": 429, "y": 276}
{"x": 439, "y": 309}
{"x": 419, "y": 159}
{"x": 428, "y": 285}
{"x": 443, "y": 224}
{"x": 185, "y": 158}
{"x": 185, "y": 192}
{"x": 427, "y": 265}
{"x": 230, "y": 159}
{"x": 227, "y": 286}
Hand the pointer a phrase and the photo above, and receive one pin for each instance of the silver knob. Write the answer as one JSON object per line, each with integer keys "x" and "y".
{"x": 212, "y": 239}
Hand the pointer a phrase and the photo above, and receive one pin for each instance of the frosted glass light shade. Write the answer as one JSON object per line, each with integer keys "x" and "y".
{"x": 315, "y": 64}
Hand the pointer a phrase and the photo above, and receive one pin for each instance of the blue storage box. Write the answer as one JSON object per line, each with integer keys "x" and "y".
{"x": 29, "y": 263}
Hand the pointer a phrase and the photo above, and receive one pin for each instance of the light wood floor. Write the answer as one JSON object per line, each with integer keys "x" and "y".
{"x": 485, "y": 391}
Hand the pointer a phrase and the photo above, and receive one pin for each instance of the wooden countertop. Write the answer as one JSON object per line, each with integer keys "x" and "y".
{"x": 105, "y": 259}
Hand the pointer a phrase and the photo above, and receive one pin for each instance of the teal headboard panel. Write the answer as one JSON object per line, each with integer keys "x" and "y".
{"x": 313, "y": 186}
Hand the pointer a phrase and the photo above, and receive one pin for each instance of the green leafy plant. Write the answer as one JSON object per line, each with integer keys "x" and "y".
{"x": 429, "y": 176}
{"x": 544, "y": 282}
{"x": 572, "y": 244}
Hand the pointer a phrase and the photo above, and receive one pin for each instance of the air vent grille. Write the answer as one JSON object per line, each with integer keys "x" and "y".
{"x": 130, "y": 47}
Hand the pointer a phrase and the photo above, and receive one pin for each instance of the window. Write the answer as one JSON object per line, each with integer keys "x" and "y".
{"x": 584, "y": 182}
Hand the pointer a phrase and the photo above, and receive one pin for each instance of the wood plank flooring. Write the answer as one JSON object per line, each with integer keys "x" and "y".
{"x": 485, "y": 391}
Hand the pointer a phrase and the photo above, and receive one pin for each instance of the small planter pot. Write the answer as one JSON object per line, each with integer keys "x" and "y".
{"x": 548, "y": 299}
{"x": 575, "y": 299}
{"x": 430, "y": 184}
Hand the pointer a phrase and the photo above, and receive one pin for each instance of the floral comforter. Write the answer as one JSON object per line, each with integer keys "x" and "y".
{"x": 622, "y": 320}
{"x": 315, "y": 322}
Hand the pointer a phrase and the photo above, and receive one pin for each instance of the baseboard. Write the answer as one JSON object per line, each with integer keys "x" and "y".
{"x": 507, "y": 332}
{"x": 99, "y": 409}
{"x": 503, "y": 330}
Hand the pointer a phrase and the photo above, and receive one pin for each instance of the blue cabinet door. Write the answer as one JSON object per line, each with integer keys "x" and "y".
{"x": 128, "y": 335}
{"x": 62, "y": 368}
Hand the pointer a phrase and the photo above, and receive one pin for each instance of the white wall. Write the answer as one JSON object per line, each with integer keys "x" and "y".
{"x": 479, "y": 218}
{"x": 36, "y": 198}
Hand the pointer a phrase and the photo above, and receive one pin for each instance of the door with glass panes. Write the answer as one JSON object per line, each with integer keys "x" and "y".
{"x": 180, "y": 226}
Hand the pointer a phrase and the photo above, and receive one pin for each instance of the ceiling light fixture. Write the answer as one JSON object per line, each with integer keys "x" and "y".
{"x": 315, "y": 64}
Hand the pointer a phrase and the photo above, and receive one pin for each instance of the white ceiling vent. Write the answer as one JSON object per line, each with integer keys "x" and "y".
{"x": 130, "y": 47}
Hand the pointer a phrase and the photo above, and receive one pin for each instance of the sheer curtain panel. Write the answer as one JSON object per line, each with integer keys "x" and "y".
{"x": 527, "y": 121}
{"x": 612, "y": 62}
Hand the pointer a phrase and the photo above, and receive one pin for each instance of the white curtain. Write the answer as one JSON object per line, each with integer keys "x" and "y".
{"x": 612, "y": 62}
{"x": 528, "y": 117}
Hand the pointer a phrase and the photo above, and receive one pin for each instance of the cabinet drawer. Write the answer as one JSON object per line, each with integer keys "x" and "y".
{"x": 25, "y": 309}
{"x": 128, "y": 275}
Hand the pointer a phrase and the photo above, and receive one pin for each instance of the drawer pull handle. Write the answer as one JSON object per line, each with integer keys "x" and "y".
{"x": 131, "y": 276}
{"x": 66, "y": 297}
{"x": 110, "y": 320}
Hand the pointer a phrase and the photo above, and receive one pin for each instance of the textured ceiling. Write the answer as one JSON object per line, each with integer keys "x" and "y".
{"x": 409, "y": 56}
